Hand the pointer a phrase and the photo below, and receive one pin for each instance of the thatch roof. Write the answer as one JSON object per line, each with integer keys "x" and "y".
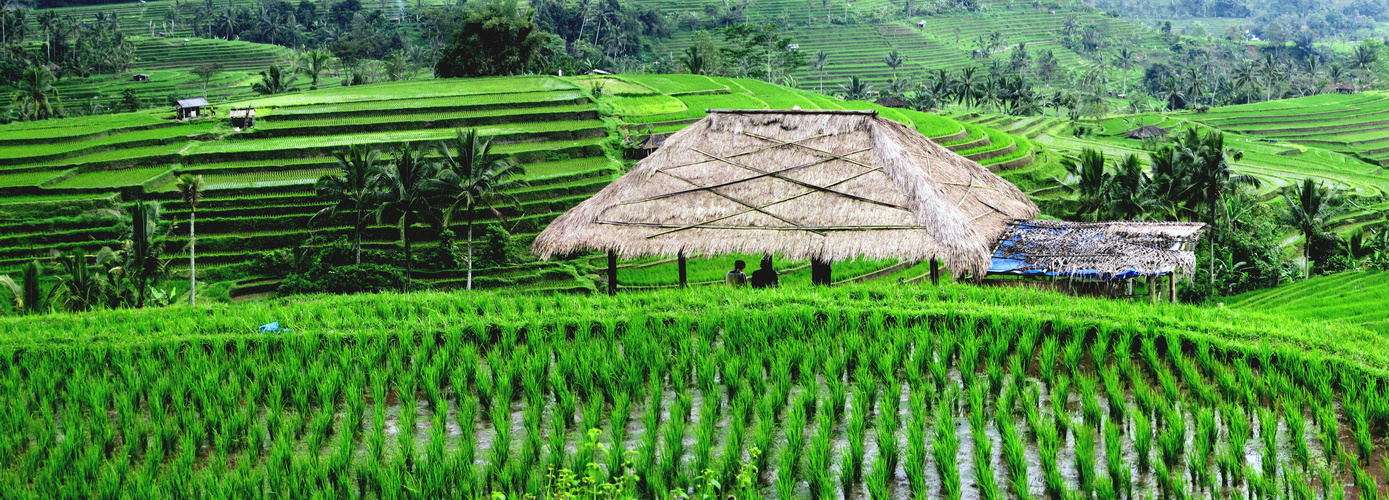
{"x": 891, "y": 102}
{"x": 828, "y": 185}
{"x": 1147, "y": 131}
{"x": 1098, "y": 250}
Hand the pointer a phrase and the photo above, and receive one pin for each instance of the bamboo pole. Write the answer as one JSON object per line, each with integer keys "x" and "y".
{"x": 820, "y": 272}
{"x": 935, "y": 272}
{"x": 1152, "y": 290}
{"x": 612, "y": 272}
{"x": 684, "y": 280}
{"x": 1172, "y": 286}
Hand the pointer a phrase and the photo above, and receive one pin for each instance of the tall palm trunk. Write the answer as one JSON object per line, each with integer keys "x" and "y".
{"x": 405, "y": 238}
{"x": 357, "y": 238}
{"x": 1307, "y": 257}
{"x": 192, "y": 271}
{"x": 470, "y": 248}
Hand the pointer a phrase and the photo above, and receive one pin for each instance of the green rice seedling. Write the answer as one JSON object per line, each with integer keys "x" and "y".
{"x": 1357, "y": 412}
{"x": 1046, "y": 367}
{"x": 945, "y": 446}
{"x": 1293, "y": 414}
{"x": 1085, "y": 458}
{"x": 673, "y": 442}
{"x": 1114, "y": 392}
{"x": 1329, "y": 433}
{"x": 1142, "y": 440}
{"x": 1268, "y": 433}
{"x": 997, "y": 372}
{"x": 1099, "y": 349}
{"x": 646, "y": 459}
{"x": 915, "y": 464}
{"x": 940, "y": 365}
{"x": 617, "y": 430}
{"x": 1114, "y": 458}
{"x": 856, "y": 434}
{"x": 877, "y": 481}
{"x": 555, "y": 445}
{"x": 1086, "y": 385}
{"x": 1032, "y": 411}
{"x": 1301, "y": 490}
{"x": 704, "y": 434}
{"x": 500, "y": 455}
{"x": 1014, "y": 454}
{"x": 1060, "y": 402}
{"x": 819, "y": 455}
{"x": 733, "y": 444}
{"x": 1074, "y": 353}
{"x": 969, "y": 362}
{"x": 983, "y": 465}
{"x": 1368, "y": 487}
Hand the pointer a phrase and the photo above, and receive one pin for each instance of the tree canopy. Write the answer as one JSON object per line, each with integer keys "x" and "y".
{"x": 491, "y": 39}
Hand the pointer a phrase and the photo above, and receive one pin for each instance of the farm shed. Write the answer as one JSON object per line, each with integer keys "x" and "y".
{"x": 1347, "y": 88}
{"x": 891, "y": 102}
{"x": 1147, "y": 131}
{"x": 1097, "y": 251}
{"x": 822, "y": 185}
{"x": 242, "y": 118}
{"x": 141, "y": 77}
{"x": 190, "y": 108}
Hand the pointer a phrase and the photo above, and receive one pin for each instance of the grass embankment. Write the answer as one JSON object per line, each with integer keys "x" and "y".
{"x": 447, "y": 394}
{"x": 1353, "y": 297}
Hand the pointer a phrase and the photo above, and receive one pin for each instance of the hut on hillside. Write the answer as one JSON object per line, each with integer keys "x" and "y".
{"x": 242, "y": 118}
{"x": 1100, "y": 257}
{"x": 1147, "y": 131}
{"x": 1348, "y": 88}
{"x": 190, "y": 108}
{"x": 820, "y": 185}
{"x": 891, "y": 102}
{"x": 140, "y": 77}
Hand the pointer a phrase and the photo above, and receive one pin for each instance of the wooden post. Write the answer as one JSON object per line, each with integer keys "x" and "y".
{"x": 684, "y": 282}
{"x": 1152, "y": 290}
{"x": 612, "y": 272}
{"x": 935, "y": 272}
{"x": 1172, "y": 286}
{"x": 820, "y": 272}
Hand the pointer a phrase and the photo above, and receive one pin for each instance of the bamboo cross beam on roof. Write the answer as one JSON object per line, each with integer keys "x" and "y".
{"x": 804, "y": 184}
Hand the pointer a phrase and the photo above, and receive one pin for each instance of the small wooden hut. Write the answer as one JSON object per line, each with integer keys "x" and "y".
{"x": 822, "y": 185}
{"x": 190, "y": 108}
{"x": 892, "y": 102}
{"x": 1348, "y": 88}
{"x": 140, "y": 77}
{"x": 1102, "y": 254}
{"x": 242, "y": 118}
{"x": 1147, "y": 131}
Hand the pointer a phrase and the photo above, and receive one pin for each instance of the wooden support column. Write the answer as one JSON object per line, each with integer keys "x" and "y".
{"x": 612, "y": 272}
{"x": 684, "y": 281}
{"x": 820, "y": 273}
{"x": 1172, "y": 286}
{"x": 935, "y": 272}
{"x": 1152, "y": 290}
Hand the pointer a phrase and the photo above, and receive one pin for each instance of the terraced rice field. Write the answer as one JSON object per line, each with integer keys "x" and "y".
{"x": 887, "y": 392}
{"x": 1353, "y": 297}
{"x": 260, "y": 181}
{"x": 1352, "y": 124}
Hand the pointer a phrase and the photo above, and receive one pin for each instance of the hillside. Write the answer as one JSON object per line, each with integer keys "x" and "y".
{"x": 887, "y": 391}
{"x": 1352, "y": 297}
{"x": 567, "y": 132}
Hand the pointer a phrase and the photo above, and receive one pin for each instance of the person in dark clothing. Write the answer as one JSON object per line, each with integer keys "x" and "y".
{"x": 765, "y": 276}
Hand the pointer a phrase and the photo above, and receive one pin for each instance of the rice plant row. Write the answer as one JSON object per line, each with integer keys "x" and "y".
{"x": 866, "y": 404}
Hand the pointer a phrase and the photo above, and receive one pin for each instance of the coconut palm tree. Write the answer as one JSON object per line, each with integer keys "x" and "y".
{"x": 1125, "y": 61}
{"x": 1245, "y": 75}
{"x": 822, "y": 59}
{"x": 35, "y": 94}
{"x": 473, "y": 178}
{"x": 1211, "y": 176}
{"x": 190, "y": 190}
{"x": 856, "y": 89}
{"x": 967, "y": 86}
{"x": 1335, "y": 72}
{"x": 1086, "y": 177}
{"x": 1272, "y": 70}
{"x": 1309, "y": 210}
{"x": 350, "y": 191}
{"x": 893, "y": 60}
{"x": 406, "y": 190}
{"x": 275, "y": 81}
{"x": 312, "y": 64}
{"x": 144, "y": 248}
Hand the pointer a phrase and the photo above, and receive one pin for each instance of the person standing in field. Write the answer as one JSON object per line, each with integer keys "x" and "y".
{"x": 765, "y": 276}
{"x": 736, "y": 278}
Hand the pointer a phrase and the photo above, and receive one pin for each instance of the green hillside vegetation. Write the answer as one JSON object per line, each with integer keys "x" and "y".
{"x": 369, "y": 393}
{"x": 259, "y": 182}
{"x": 1352, "y": 297}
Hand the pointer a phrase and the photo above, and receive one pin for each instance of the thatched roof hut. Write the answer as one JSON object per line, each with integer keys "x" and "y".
{"x": 1147, "y": 131}
{"x": 820, "y": 185}
{"x": 1097, "y": 250}
{"x": 891, "y": 102}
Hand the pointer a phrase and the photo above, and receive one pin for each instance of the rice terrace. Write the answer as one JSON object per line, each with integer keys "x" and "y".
{"x": 647, "y": 249}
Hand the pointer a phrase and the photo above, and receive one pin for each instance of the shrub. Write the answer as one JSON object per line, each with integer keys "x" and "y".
{"x": 343, "y": 280}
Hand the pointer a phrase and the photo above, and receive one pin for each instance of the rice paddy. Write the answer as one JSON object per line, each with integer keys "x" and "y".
{"x": 849, "y": 392}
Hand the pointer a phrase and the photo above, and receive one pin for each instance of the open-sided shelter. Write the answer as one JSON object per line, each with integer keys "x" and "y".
{"x": 190, "y": 108}
{"x": 1147, "y": 131}
{"x": 819, "y": 185}
{"x": 242, "y": 118}
{"x": 1097, "y": 251}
